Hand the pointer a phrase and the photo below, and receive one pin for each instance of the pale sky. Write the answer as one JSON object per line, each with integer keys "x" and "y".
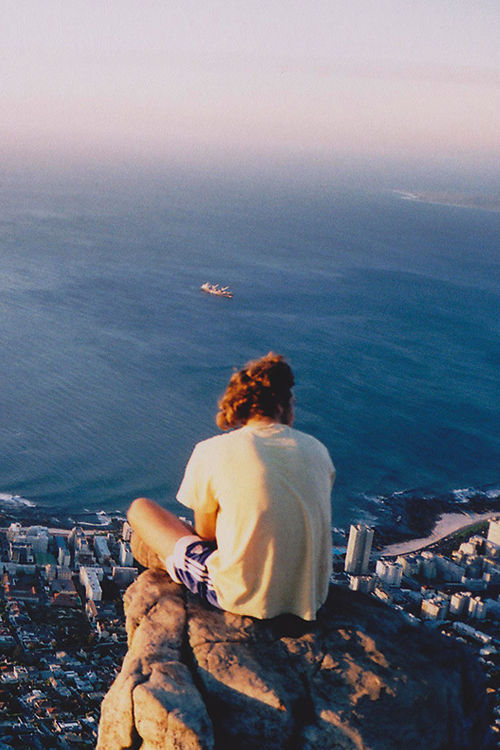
{"x": 127, "y": 79}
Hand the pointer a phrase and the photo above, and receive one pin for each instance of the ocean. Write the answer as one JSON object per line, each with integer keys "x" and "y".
{"x": 112, "y": 359}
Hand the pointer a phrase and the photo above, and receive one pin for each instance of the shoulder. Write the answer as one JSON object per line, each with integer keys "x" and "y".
{"x": 217, "y": 443}
{"x": 311, "y": 444}
{"x": 305, "y": 438}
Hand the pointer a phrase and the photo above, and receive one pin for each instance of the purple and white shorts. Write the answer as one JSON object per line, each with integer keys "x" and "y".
{"x": 188, "y": 565}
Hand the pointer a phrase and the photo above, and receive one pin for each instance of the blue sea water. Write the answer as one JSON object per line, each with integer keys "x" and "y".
{"x": 112, "y": 359}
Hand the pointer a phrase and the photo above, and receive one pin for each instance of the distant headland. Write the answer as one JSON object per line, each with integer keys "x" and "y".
{"x": 453, "y": 198}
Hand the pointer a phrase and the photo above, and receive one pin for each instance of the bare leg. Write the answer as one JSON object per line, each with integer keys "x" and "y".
{"x": 144, "y": 554}
{"x": 157, "y": 528}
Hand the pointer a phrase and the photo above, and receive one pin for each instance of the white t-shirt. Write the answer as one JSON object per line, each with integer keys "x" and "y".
{"x": 270, "y": 486}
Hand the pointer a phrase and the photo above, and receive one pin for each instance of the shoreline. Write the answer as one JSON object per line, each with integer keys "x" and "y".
{"x": 454, "y": 201}
{"x": 447, "y": 524}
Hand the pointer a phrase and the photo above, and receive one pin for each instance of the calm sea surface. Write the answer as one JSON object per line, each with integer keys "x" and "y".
{"x": 112, "y": 359}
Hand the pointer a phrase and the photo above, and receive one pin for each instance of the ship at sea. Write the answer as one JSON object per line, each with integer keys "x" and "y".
{"x": 219, "y": 291}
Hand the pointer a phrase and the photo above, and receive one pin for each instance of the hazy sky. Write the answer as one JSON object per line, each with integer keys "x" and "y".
{"x": 161, "y": 78}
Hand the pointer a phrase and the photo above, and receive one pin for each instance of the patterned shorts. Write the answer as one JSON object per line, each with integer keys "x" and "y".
{"x": 187, "y": 565}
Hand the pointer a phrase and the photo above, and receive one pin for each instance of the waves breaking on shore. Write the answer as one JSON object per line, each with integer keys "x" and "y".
{"x": 400, "y": 516}
{"x": 17, "y": 508}
{"x": 15, "y": 501}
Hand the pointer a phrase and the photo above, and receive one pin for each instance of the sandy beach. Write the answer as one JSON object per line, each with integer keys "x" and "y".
{"x": 446, "y": 524}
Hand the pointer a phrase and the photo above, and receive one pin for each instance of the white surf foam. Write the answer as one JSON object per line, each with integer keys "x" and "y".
{"x": 16, "y": 500}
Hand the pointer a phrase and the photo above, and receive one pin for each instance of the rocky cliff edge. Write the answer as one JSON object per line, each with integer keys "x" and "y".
{"x": 360, "y": 678}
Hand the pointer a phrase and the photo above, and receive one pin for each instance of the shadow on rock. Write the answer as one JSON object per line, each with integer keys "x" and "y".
{"x": 359, "y": 678}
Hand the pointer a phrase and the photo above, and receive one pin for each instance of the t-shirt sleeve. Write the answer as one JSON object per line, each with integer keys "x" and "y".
{"x": 196, "y": 491}
{"x": 333, "y": 470}
{"x": 325, "y": 457}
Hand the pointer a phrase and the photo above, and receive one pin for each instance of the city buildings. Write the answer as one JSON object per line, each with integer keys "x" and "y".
{"x": 62, "y": 634}
{"x": 359, "y": 549}
{"x": 66, "y": 661}
{"x": 389, "y": 572}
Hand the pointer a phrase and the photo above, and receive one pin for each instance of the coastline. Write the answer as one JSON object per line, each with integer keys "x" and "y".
{"x": 452, "y": 201}
{"x": 446, "y": 524}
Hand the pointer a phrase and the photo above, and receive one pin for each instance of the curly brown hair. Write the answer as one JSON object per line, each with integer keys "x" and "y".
{"x": 261, "y": 389}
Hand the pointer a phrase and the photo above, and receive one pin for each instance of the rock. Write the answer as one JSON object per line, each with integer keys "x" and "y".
{"x": 359, "y": 678}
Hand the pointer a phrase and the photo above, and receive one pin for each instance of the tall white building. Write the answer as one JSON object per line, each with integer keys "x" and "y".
{"x": 410, "y": 564}
{"x": 448, "y": 570}
{"x": 101, "y": 549}
{"x": 428, "y": 565}
{"x": 477, "y": 608}
{"x": 90, "y": 580}
{"x": 435, "y": 608}
{"x": 494, "y": 531}
{"x": 359, "y": 548}
{"x": 63, "y": 555}
{"x": 365, "y": 584}
{"x": 458, "y": 601}
{"x": 126, "y": 557}
{"x": 389, "y": 572}
{"x": 13, "y": 531}
{"x": 36, "y": 536}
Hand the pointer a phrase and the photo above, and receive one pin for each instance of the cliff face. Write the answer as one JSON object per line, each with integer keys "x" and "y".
{"x": 358, "y": 679}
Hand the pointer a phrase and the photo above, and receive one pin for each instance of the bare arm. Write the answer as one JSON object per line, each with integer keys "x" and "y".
{"x": 204, "y": 524}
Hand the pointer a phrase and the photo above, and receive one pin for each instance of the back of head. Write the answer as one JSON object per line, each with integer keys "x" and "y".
{"x": 262, "y": 388}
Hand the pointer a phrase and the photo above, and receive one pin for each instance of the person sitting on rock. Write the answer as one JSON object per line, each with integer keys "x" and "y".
{"x": 261, "y": 543}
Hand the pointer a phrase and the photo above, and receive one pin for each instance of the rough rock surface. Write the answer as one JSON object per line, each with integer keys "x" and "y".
{"x": 360, "y": 678}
